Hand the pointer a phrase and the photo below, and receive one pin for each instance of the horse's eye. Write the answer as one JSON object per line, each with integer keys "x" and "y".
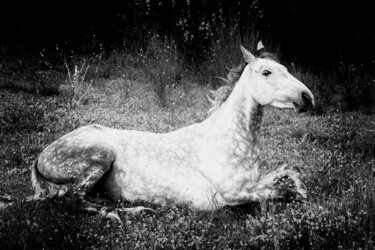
{"x": 266, "y": 72}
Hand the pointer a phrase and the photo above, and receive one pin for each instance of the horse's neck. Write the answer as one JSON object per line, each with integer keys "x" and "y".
{"x": 241, "y": 113}
{"x": 239, "y": 119}
{"x": 245, "y": 129}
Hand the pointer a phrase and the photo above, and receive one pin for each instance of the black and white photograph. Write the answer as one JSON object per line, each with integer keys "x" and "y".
{"x": 187, "y": 124}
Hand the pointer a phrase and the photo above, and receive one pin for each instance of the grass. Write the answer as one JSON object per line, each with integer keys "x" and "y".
{"x": 335, "y": 152}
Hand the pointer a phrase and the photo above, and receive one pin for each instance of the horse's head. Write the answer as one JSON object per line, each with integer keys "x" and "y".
{"x": 272, "y": 84}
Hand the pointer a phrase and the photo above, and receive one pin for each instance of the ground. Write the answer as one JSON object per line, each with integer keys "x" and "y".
{"x": 335, "y": 152}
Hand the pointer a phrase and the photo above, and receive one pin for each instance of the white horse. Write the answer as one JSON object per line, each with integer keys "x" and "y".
{"x": 206, "y": 165}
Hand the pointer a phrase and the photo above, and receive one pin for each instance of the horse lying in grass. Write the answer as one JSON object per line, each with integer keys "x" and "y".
{"x": 206, "y": 165}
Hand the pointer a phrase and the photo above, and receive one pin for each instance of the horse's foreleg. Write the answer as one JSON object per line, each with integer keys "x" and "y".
{"x": 282, "y": 172}
{"x": 252, "y": 192}
{"x": 264, "y": 188}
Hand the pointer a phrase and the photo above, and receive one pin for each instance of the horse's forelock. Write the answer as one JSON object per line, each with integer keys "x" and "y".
{"x": 263, "y": 53}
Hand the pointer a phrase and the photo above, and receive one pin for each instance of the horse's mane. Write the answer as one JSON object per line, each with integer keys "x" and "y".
{"x": 222, "y": 93}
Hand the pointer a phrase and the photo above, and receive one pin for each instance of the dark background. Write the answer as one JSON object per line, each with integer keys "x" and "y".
{"x": 318, "y": 33}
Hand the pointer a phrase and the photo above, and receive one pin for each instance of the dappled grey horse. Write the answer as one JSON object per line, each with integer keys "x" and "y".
{"x": 206, "y": 165}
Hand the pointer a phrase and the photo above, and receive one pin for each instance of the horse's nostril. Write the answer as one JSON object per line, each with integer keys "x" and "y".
{"x": 306, "y": 98}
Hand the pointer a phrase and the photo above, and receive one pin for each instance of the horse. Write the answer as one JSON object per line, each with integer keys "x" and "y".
{"x": 206, "y": 165}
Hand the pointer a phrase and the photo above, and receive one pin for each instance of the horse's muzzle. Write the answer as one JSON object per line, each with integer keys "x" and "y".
{"x": 306, "y": 103}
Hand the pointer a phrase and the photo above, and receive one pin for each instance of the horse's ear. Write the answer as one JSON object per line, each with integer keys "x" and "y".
{"x": 247, "y": 55}
{"x": 260, "y": 45}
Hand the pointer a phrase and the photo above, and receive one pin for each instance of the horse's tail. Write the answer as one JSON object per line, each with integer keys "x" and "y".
{"x": 44, "y": 188}
{"x": 37, "y": 180}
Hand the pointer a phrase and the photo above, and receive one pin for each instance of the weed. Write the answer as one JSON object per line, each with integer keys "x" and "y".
{"x": 161, "y": 65}
{"x": 76, "y": 83}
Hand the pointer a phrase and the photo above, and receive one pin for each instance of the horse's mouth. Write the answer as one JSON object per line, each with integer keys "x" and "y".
{"x": 304, "y": 103}
{"x": 299, "y": 108}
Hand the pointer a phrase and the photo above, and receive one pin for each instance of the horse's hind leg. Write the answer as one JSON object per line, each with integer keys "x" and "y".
{"x": 84, "y": 184}
{"x": 97, "y": 205}
{"x": 137, "y": 210}
{"x": 93, "y": 206}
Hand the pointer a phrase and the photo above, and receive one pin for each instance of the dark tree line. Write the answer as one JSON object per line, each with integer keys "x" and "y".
{"x": 316, "y": 32}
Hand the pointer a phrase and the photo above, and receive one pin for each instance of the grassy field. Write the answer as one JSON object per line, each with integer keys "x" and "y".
{"x": 335, "y": 152}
